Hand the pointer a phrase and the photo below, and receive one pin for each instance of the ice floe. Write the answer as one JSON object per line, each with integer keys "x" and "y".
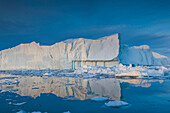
{"x": 99, "y": 99}
{"x": 67, "y": 112}
{"x": 19, "y": 104}
{"x": 124, "y": 71}
{"x": 21, "y": 111}
{"x": 3, "y": 91}
{"x": 90, "y": 71}
{"x": 36, "y": 112}
{"x": 116, "y": 103}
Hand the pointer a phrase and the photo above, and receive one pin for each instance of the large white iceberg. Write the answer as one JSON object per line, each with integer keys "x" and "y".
{"x": 63, "y": 55}
{"x": 59, "y": 55}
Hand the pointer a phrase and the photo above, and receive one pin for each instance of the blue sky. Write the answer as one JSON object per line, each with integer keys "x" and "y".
{"x": 50, "y": 21}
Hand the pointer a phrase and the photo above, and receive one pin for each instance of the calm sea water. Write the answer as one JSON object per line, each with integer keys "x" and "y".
{"x": 60, "y": 94}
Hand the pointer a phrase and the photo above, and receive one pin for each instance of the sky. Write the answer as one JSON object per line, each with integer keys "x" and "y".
{"x": 140, "y": 22}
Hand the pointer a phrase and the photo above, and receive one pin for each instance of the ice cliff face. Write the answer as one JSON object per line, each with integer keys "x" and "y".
{"x": 59, "y": 55}
{"x": 141, "y": 55}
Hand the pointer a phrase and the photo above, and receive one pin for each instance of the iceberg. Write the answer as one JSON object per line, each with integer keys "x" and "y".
{"x": 21, "y": 111}
{"x": 116, "y": 103}
{"x": 137, "y": 55}
{"x": 99, "y": 99}
{"x": 141, "y": 55}
{"x": 59, "y": 55}
{"x": 36, "y": 112}
{"x": 75, "y": 53}
{"x": 19, "y": 104}
{"x": 67, "y": 112}
{"x": 3, "y": 91}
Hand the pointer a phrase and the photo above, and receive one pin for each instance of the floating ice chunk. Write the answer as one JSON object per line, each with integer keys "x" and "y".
{"x": 8, "y": 99}
{"x": 116, "y": 103}
{"x": 36, "y": 112}
{"x": 129, "y": 74}
{"x": 123, "y": 71}
{"x": 2, "y": 91}
{"x": 67, "y": 112}
{"x": 19, "y": 104}
{"x": 99, "y": 99}
{"x": 48, "y": 74}
{"x": 21, "y": 111}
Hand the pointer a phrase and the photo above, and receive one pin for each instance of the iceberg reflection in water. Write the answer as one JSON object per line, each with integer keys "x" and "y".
{"x": 65, "y": 87}
{"x": 45, "y": 93}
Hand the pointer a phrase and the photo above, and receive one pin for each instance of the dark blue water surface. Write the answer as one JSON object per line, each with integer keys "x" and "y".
{"x": 60, "y": 94}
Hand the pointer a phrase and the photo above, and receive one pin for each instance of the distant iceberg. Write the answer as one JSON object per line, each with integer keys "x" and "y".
{"x": 141, "y": 55}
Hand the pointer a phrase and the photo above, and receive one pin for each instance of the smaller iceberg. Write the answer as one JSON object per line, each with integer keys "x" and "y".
{"x": 21, "y": 111}
{"x": 99, "y": 99}
{"x": 116, "y": 103}
{"x": 36, "y": 112}
{"x": 3, "y": 91}
{"x": 67, "y": 112}
{"x": 19, "y": 104}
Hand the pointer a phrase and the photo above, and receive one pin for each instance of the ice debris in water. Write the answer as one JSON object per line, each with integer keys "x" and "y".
{"x": 2, "y": 91}
{"x": 36, "y": 112}
{"x": 67, "y": 112}
{"x": 99, "y": 99}
{"x": 19, "y": 104}
{"x": 21, "y": 111}
{"x": 124, "y": 71}
{"x": 116, "y": 103}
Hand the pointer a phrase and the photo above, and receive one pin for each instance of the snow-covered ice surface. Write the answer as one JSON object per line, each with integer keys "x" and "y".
{"x": 99, "y": 99}
{"x": 116, "y": 103}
